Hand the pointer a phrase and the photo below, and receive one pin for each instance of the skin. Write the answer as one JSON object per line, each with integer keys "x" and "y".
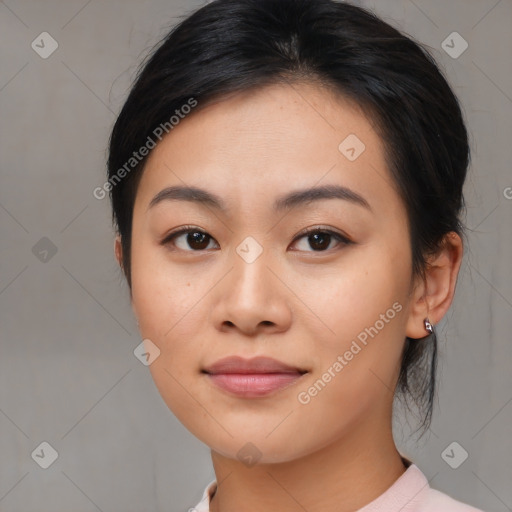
{"x": 296, "y": 302}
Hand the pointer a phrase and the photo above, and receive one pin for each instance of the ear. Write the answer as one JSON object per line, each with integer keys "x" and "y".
{"x": 118, "y": 250}
{"x": 433, "y": 295}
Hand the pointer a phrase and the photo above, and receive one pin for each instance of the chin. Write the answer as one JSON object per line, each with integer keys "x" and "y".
{"x": 253, "y": 446}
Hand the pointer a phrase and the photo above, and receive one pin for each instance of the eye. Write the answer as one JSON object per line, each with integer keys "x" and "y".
{"x": 320, "y": 238}
{"x": 198, "y": 240}
{"x": 195, "y": 239}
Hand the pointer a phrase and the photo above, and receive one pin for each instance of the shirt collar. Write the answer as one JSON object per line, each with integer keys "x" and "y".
{"x": 405, "y": 494}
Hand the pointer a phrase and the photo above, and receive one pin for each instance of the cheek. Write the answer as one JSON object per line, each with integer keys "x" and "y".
{"x": 163, "y": 301}
{"x": 364, "y": 289}
{"x": 163, "y": 295}
{"x": 365, "y": 308}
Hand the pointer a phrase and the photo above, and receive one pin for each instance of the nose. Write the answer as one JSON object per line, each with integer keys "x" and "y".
{"x": 252, "y": 298}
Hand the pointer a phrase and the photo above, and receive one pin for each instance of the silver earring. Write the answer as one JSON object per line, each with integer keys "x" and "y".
{"x": 428, "y": 326}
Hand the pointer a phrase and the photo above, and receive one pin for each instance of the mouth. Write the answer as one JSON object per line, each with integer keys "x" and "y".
{"x": 252, "y": 378}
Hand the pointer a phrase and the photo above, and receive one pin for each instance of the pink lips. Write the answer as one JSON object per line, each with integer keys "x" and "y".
{"x": 254, "y": 377}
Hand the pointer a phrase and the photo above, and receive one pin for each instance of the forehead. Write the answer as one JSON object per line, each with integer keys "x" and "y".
{"x": 254, "y": 146}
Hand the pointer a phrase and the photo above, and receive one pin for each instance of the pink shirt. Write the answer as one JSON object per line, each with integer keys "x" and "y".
{"x": 410, "y": 493}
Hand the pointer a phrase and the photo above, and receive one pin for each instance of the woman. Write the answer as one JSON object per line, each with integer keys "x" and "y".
{"x": 286, "y": 181}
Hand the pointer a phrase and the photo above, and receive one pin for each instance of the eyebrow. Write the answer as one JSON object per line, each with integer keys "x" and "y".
{"x": 286, "y": 202}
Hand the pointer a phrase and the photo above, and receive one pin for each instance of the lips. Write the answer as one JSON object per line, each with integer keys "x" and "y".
{"x": 236, "y": 364}
{"x": 252, "y": 378}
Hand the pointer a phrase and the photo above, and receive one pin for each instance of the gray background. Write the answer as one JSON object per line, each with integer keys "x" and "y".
{"x": 68, "y": 375}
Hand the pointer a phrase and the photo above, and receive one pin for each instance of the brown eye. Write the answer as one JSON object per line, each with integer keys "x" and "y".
{"x": 320, "y": 239}
{"x": 195, "y": 239}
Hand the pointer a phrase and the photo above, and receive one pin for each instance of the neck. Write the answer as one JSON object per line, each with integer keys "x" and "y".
{"x": 343, "y": 476}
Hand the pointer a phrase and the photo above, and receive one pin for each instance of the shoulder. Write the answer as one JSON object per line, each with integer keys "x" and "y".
{"x": 435, "y": 500}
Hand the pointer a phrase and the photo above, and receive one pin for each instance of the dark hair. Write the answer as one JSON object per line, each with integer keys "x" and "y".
{"x": 234, "y": 45}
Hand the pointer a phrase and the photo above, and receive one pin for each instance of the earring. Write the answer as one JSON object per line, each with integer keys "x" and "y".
{"x": 428, "y": 326}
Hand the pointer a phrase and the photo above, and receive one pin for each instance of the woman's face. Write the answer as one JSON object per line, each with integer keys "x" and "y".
{"x": 256, "y": 285}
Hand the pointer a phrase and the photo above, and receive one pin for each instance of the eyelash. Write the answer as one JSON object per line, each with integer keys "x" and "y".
{"x": 341, "y": 239}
